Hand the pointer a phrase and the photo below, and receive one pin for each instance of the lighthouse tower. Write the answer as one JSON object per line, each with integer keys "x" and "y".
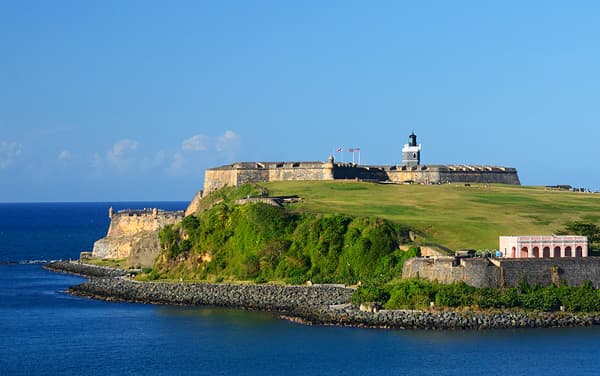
{"x": 411, "y": 152}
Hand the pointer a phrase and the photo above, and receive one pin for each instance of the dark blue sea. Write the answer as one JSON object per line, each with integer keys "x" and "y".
{"x": 44, "y": 331}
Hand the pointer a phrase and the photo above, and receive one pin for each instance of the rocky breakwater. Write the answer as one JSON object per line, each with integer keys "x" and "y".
{"x": 446, "y": 320}
{"x": 291, "y": 299}
{"x": 86, "y": 270}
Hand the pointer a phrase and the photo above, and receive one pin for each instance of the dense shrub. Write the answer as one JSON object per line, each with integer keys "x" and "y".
{"x": 418, "y": 293}
{"x": 260, "y": 241}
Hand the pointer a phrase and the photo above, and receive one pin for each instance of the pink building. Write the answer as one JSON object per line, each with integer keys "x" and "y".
{"x": 552, "y": 246}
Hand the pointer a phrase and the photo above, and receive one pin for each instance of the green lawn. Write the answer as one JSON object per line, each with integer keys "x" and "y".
{"x": 453, "y": 215}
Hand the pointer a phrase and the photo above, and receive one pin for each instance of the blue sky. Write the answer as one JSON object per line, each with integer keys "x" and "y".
{"x": 132, "y": 100}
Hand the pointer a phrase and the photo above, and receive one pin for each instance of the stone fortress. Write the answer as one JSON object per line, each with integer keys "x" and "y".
{"x": 409, "y": 171}
{"x": 133, "y": 234}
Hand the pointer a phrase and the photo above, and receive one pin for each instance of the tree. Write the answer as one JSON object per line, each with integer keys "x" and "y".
{"x": 591, "y": 230}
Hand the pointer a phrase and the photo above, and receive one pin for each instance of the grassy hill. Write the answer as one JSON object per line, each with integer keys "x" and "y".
{"x": 456, "y": 216}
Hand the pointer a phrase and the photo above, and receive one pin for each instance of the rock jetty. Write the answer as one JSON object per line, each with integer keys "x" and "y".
{"x": 260, "y": 297}
{"x": 85, "y": 270}
{"x": 447, "y": 320}
{"x": 318, "y": 304}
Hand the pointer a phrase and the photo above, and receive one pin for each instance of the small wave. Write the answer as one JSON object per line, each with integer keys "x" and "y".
{"x": 28, "y": 262}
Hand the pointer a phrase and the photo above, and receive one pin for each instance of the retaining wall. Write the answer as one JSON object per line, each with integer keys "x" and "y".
{"x": 480, "y": 272}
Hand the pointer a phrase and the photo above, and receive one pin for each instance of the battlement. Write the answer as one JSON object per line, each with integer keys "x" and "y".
{"x": 267, "y": 165}
{"x": 261, "y": 172}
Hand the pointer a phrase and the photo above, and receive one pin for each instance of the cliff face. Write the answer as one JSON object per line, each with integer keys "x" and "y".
{"x": 134, "y": 235}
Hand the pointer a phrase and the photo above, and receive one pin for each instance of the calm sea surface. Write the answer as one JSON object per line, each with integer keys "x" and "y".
{"x": 45, "y": 331}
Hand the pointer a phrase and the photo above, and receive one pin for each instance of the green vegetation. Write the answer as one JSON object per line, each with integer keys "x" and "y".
{"x": 452, "y": 215}
{"x": 418, "y": 294}
{"x": 263, "y": 243}
{"x": 110, "y": 263}
{"x": 350, "y": 232}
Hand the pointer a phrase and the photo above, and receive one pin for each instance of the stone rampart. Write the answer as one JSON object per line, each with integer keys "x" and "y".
{"x": 262, "y": 172}
{"x": 478, "y": 272}
{"x": 481, "y": 272}
{"x": 134, "y": 232}
{"x": 573, "y": 271}
{"x": 126, "y": 222}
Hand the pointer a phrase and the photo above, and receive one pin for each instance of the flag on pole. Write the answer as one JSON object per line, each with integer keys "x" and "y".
{"x": 351, "y": 150}
{"x": 357, "y": 149}
{"x": 338, "y": 150}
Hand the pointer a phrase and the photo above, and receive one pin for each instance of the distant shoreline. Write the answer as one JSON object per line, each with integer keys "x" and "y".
{"x": 313, "y": 305}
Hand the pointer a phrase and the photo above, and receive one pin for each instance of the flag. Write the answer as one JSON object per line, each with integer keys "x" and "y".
{"x": 351, "y": 150}
{"x": 357, "y": 149}
{"x": 338, "y": 150}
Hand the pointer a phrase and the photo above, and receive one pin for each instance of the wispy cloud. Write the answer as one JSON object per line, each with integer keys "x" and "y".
{"x": 197, "y": 142}
{"x": 228, "y": 143}
{"x": 64, "y": 155}
{"x": 177, "y": 165}
{"x": 9, "y": 153}
{"x": 118, "y": 158}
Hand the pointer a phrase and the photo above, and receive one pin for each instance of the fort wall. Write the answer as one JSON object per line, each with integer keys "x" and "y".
{"x": 481, "y": 272}
{"x": 262, "y": 172}
{"x": 134, "y": 232}
{"x": 475, "y": 272}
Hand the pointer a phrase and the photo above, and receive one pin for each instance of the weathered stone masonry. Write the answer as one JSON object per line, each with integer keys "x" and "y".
{"x": 483, "y": 272}
{"x": 261, "y": 172}
{"x": 134, "y": 230}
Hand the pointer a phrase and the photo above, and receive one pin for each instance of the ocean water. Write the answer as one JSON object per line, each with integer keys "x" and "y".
{"x": 43, "y": 330}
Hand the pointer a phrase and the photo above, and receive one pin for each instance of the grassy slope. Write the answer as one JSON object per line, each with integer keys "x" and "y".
{"x": 452, "y": 215}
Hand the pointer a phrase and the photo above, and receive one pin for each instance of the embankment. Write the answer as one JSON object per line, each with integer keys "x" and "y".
{"x": 262, "y": 297}
{"x": 320, "y": 305}
{"x": 436, "y": 320}
{"x": 85, "y": 270}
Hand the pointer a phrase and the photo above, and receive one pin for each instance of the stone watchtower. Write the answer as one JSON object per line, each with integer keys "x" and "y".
{"x": 411, "y": 152}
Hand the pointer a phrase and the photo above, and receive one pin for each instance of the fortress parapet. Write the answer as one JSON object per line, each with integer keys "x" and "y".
{"x": 261, "y": 172}
{"x": 129, "y": 227}
{"x": 410, "y": 171}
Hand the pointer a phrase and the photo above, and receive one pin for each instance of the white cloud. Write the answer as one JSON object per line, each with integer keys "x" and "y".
{"x": 120, "y": 148}
{"x": 9, "y": 153}
{"x": 197, "y": 142}
{"x": 177, "y": 164}
{"x": 229, "y": 142}
{"x": 118, "y": 157}
{"x": 64, "y": 155}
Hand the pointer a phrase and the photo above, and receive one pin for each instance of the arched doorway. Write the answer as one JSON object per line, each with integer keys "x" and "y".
{"x": 579, "y": 252}
{"x": 524, "y": 252}
{"x": 546, "y": 252}
{"x": 535, "y": 252}
{"x": 514, "y": 252}
{"x": 557, "y": 252}
{"x": 568, "y": 252}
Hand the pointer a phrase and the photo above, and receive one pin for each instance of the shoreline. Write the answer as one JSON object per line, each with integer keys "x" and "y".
{"x": 308, "y": 305}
